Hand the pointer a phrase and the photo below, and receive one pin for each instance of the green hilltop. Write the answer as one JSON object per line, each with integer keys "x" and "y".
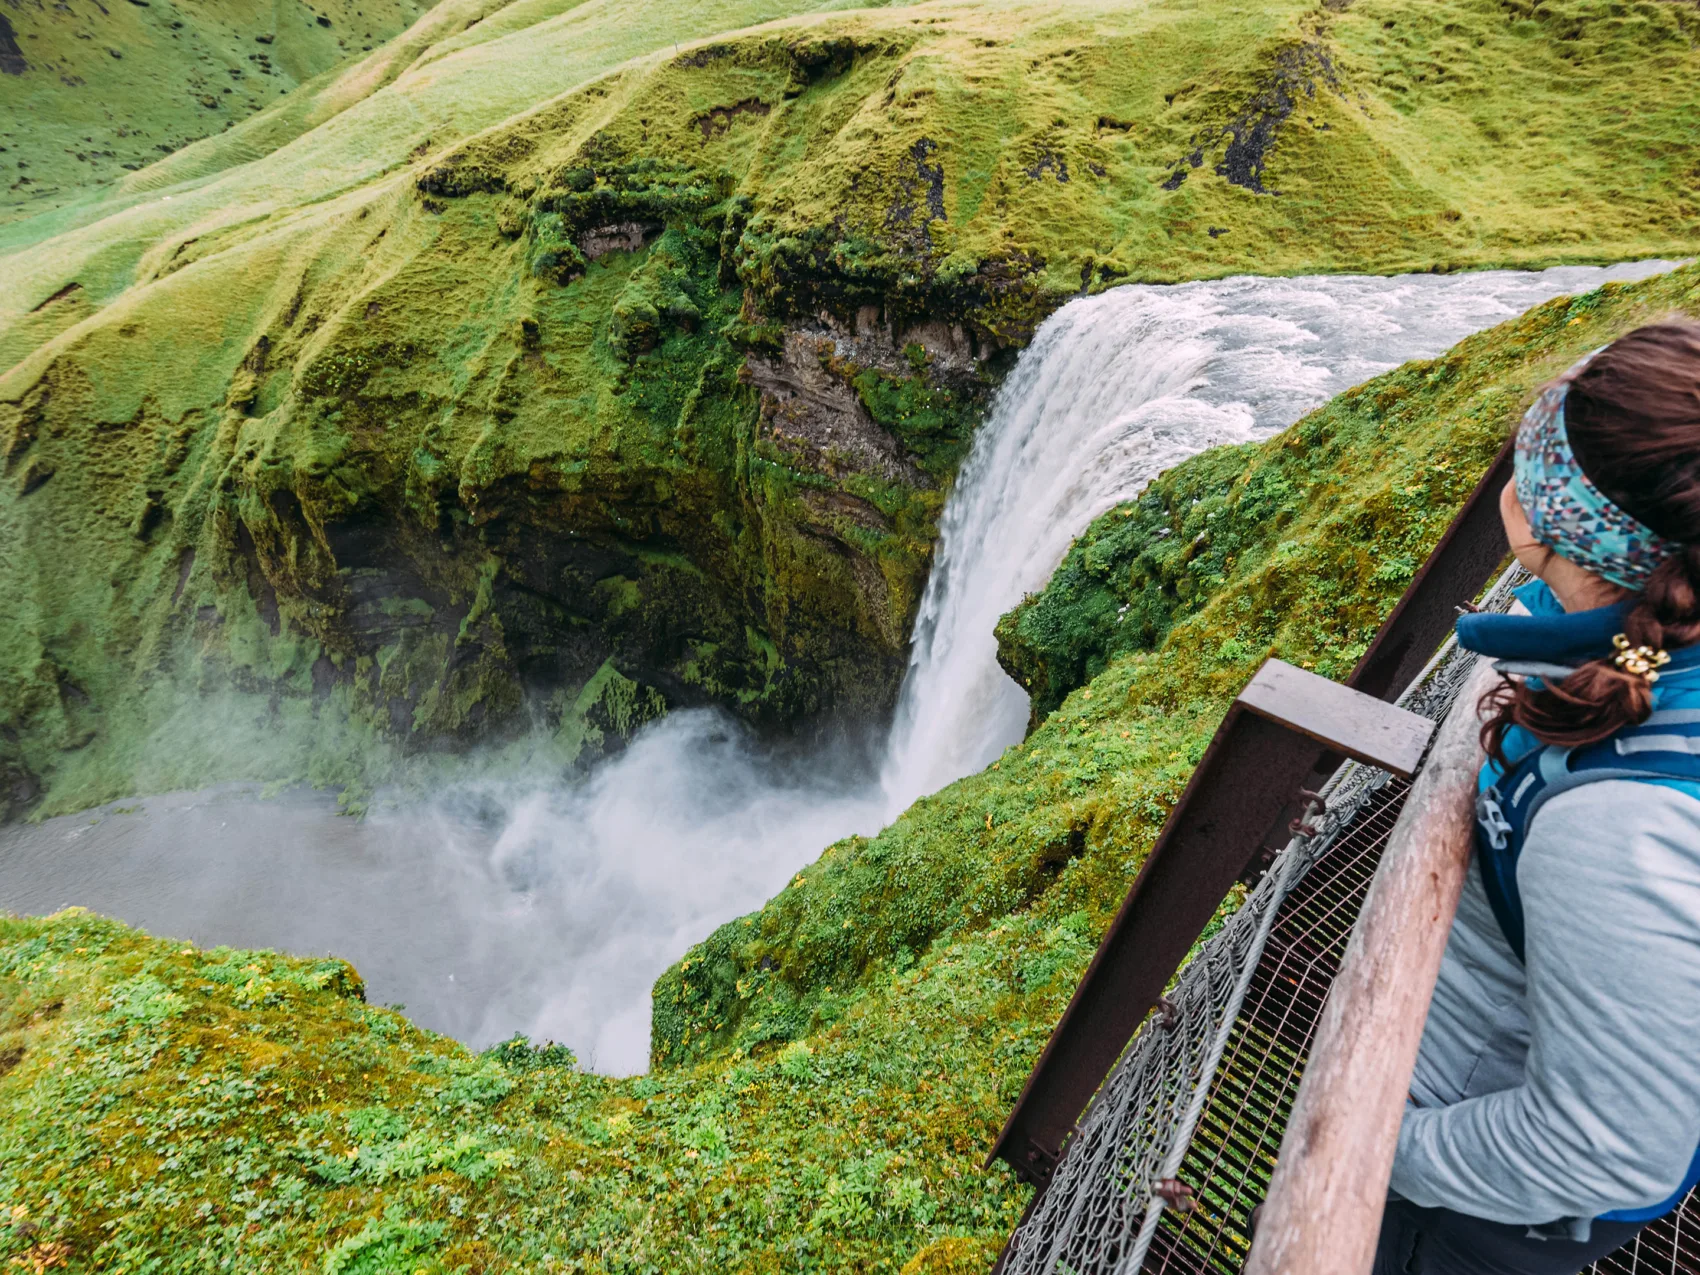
{"x": 555, "y": 365}
{"x": 587, "y": 361}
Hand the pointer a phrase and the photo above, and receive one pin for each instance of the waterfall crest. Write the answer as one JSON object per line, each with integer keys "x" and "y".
{"x": 1114, "y": 390}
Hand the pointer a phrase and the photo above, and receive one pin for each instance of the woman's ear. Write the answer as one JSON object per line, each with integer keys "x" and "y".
{"x": 1530, "y": 552}
{"x": 1576, "y": 588}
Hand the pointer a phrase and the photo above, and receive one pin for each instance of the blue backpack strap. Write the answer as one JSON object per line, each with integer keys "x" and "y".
{"x": 1670, "y": 735}
{"x": 1664, "y": 749}
{"x": 1496, "y": 861}
{"x": 1503, "y": 811}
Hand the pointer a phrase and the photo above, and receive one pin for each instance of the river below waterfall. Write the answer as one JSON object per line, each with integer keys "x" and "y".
{"x": 532, "y": 906}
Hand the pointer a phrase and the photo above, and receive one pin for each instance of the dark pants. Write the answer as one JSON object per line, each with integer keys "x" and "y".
{"x": 1418, "y": 1241}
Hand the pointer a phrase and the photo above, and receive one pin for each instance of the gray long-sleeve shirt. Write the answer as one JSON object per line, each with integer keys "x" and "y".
{"x": 1568, "y": 1087}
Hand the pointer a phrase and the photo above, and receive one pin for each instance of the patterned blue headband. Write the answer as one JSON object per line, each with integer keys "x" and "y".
{"x": 1566, "y": 512}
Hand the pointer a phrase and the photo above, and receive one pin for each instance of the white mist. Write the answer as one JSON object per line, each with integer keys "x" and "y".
{"x": 530, "y": 905}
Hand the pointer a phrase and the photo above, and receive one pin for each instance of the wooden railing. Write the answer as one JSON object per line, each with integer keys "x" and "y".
{"x": 1323, "y": 1215}
{"x": 1231, "y": 817}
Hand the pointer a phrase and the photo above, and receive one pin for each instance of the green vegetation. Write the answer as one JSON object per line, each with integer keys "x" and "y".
{"x": 91, "y": 91}
{"x": 561, "y": 363}
{"x": 830, "y": 1069}
{"x": 538, "y": 349}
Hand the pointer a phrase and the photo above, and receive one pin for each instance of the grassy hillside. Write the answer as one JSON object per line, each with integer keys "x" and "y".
{"x": 560, "y": 363}
{"x": 592, "y": 360}
{"x": 830, "y": 1069}
{"x": 90, "y": 91}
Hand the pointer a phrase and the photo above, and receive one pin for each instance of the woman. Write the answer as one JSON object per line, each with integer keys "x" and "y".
{"x": 1555, "y": 1107}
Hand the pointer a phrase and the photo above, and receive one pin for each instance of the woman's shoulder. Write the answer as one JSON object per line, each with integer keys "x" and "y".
{"x": 1626, "y": 804}
{"x": 1616, "y": 830}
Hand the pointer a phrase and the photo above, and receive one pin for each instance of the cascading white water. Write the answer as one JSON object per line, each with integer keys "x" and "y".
{"x": 519, "y": 904}
{"x": 523, "y": 905}
{"x": 1115, "y": 389}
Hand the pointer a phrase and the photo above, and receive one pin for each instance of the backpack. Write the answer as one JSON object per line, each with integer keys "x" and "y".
{"x": 1664, "y": 749}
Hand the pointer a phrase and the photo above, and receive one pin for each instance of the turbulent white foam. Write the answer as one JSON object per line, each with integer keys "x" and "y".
{"x": 1115, "y": 389}
{"x": 535, "y": 906}
{"x": 525, "y": 905}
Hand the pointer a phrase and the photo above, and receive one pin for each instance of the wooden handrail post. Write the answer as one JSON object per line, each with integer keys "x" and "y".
{"x": 1323, "y": 1215}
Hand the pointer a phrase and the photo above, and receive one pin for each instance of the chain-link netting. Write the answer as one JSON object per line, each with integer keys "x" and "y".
{"x": 1118, "y": 1175}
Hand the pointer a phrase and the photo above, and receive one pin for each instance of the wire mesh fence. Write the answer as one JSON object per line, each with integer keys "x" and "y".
{"x": 1202, "y": 1095}
{"x": 1670, "y": 1246}
{"x": 1232, "y": 1151}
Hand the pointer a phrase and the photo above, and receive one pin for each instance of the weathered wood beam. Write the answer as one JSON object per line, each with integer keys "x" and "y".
{"x": 1323, "y": 1215}
{"x": 1344, "y": 720}
{"x": 1270, "y": 740}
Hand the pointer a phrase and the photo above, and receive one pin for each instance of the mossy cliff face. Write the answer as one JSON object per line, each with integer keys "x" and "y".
{"x": 469, "y": 465}
{"x": 559, "y": 375}
{"x": 830, "y": 1069}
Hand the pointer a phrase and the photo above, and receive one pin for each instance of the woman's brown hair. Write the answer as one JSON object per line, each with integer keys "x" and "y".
{"x": 1633, "y": 419}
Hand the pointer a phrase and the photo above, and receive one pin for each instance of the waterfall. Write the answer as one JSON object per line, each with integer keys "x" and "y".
{"x": 1115, "y": 389}
{"x": 520, "y": 903}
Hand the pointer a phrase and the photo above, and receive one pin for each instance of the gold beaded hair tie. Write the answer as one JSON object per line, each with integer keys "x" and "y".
{"x": 1640, "y": 661}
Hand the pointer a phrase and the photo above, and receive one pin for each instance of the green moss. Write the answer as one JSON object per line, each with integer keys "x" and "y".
{"x": 1139, "y": 567}
{"x": 602, "y": 186}
{"x": 934, "y": 422}
{"x": 279, "y": 1123}
{"x": 434, "y": 522}
{"x": 554, "y": 255}
{"x": 830, "y": 1069}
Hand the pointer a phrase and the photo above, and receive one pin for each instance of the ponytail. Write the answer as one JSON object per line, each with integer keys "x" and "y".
{"x": 1633, "y": 419}
{"x": 1599, "y": 698}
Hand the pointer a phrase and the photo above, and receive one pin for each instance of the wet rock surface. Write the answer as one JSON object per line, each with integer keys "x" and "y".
{"x": 814, "y": 412}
